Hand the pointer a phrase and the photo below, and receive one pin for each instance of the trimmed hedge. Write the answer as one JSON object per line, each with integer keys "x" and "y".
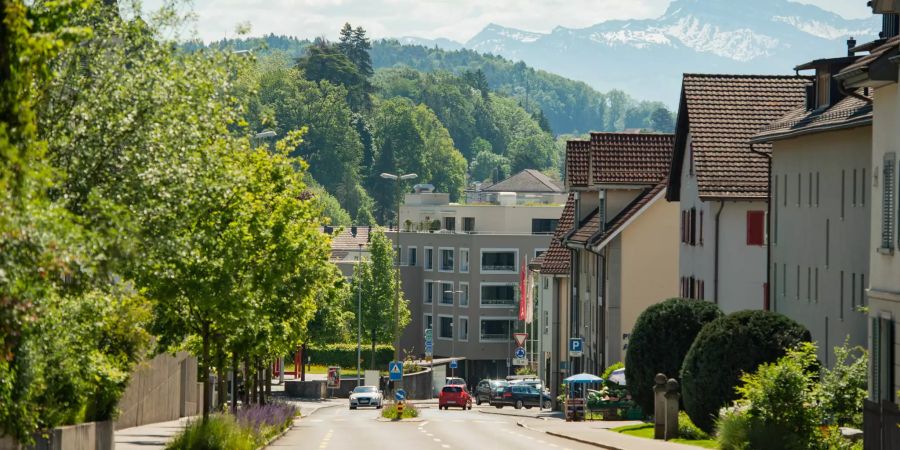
{"x": 660, "y": 339}
{"x": 344, "y": 355}
{"x": 723, "y": 350}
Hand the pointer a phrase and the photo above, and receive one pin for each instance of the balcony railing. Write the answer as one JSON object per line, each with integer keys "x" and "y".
{"x": 498, "y": 301}
{"x": 495, "y": 337}
{"x": 499, "y": 268}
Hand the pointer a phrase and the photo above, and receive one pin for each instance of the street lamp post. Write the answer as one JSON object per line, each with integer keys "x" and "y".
{"x": 399, "y": 179}
{"x": 454, "y": 335}
{"x": 358, "y": 315}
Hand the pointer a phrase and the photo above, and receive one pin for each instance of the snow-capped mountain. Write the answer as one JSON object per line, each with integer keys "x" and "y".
{"x": 647, "y": 57}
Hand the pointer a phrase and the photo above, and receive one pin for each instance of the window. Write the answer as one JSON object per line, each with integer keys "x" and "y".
{"x": 799, "y": 189}
{"x": 428, "y": 294}
{"x": 827, "y": 241}
{"x": 447, "y": 293}
{"x": 883, "y": 358}
{"x": 539, "y": 251}
{"x": 429, "y": 258}
{"x": 810, "y": 191}
{"x": 887, "y": 203}
{"x": 701, "y": 227}
{"x": 468, "y": 224}
{"x": 450, "y": 223}
{"x": 852, "y": 291}
{"x": 543, "y": 226}
{"x": 823, "y": 88}
{"x": 785, "y": 198}
{"x": 429, "y": 322}
{"x": 464, "y": 260}
{"x": 842, "y": 295}
{"x": 498, "y": 294}
{"x": 756, "y": 225}
{"x": 445, "y": 327}
{"x": 854, "y": 188}
{"x": 684, "y": 227}
{"x": 496, "y": 329}
{"x": 499, "y": 260}
{"x": 817, "y": 188}
{"x": 693, "y": 221}
{"x": 411, "y": 257}
{"x": 463, "y": 329}
{"x": 446, "y": 260}
{"x": 843, "y": 191}
{"x": 464, "y": 294}
{"x": 862, "y": 188}
{"x": 808, "y": 283}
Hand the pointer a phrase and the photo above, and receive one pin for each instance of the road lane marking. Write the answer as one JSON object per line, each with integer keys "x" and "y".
{"x": 445, "y": 446}
{"x": 429, "y": 435}
{"x": 553, "y": 445}
{"x": 437, "y": 440}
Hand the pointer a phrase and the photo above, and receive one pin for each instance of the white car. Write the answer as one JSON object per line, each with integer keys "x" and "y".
{"x": 366, "y": 396}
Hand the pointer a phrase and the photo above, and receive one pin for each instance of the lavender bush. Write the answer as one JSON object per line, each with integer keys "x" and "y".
{"x": 269, "y": 419}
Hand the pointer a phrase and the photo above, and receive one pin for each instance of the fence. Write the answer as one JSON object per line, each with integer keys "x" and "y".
{"x": 881, "y": 425}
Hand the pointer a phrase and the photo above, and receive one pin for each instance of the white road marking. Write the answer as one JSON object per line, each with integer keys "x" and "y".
{"x": 437, "y": 440}
{"x": 540, "y": 441}
{"x": 423, "y": 424}
{"x": 429, "y": 435}
{"x": 445, "y": 446}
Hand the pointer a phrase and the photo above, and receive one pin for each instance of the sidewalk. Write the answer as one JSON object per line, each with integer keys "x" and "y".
{"x": 155, "y": 436}
{"x": 529, "y": 413}
{"x": 598, "y": 434}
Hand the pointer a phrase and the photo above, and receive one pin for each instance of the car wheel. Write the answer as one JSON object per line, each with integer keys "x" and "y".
{"x": 478, "y": 401}
{"x": 379, "y": 406}
{"x": 518, "y": 404}
{"x": 527, "y": 407}
{"x": 470, "y": 406}
{"x": 499, "y": 406}
{"x": 548, "y": 404}
{"x": 352, "y": 407}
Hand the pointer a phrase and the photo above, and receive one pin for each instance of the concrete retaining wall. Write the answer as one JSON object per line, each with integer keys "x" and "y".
{"x": 84, "y": 436}
{"x": 162, "y": 389}
{"x": 418, "y": 385}
{"x": 314, "y": 389}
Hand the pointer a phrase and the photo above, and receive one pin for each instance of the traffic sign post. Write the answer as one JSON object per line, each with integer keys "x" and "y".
{"x": 520, "y": 359}
{"x": 400, "y": 395}
{"x": 429, "y": 347}
{"x": 520, "y": 339}
{"x": 576, "y": 346}
{"x": 395, "y": 370}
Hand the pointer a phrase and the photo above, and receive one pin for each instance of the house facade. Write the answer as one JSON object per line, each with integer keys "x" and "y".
{"x": 820, "y": 201}
{"x": 722, "y": 184}
{"x": 623, "y": 252}
{"x": 878, "y": 73}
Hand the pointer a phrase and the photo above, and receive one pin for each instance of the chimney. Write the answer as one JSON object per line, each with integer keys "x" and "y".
{"x": 850, "y": 44}
{"x": 889, "y": 25}
{"x": 329, "y": 229}
{"x": 353, "y": 230}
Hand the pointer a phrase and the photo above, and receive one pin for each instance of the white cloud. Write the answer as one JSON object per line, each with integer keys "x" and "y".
{"x": 454, "y": 19}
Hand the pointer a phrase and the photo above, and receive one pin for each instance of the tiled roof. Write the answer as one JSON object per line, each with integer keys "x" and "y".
{"x": 862, "y": 64}
{"x": 630, "y": 158}
{"x": 528, "y": 180}
{"x": 557, "y": 257}
{"x": 847, "y": 113}
{"x": 722, "y": 113}
{"x": 635, "y": 207}
{"x": 587, "y": 229}
{"x": 578, "y": 162}
{"x": 345, "y": 240}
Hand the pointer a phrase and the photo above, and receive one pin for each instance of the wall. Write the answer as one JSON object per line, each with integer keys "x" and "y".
{"x": 488, "y": 218}
{"x": 418, "y": 385}
{"x": 649, "y": 265}
{"x": 742, "y": 268}
{"x": 84, "y": 436}
{"x": 162, "y": 389}
{"x": 884, "y": 287}
{"x": 820, "y": 299}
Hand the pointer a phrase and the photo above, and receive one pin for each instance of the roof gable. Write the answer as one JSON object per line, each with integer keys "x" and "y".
{"x": 528, "y": 180}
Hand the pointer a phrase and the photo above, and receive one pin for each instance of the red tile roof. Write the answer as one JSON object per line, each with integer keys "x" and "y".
{"x": 635, "y": 207}
{"x": 722, "y": 113}
{"x": 630, "y": 158}
{"x": 588, "y": 228}
{"x": 557, "y": 258}
{"x": 862, "y": 64}
{"x": 849, "y": 112}
{"x": 344, "y": 243}
{"x": 578, "y": 161}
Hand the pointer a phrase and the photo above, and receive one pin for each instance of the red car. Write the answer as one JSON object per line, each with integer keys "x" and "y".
{"x": 454, "y": 396}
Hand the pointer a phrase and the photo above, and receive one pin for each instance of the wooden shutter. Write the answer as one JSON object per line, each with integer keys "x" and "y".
{"x": 756, "y": 221}
{"x": 701, "y": 227}
{"x": 887, "y": 202}
{"x": 693, "y": 220}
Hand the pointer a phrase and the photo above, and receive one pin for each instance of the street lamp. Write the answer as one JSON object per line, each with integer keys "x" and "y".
{"x": 399, "y": 179}
{"x": 454, "y": 335}
{"x": 358, "y": 315}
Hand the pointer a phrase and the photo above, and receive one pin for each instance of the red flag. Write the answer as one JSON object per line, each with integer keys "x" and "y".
{"x": 523, "y": 293}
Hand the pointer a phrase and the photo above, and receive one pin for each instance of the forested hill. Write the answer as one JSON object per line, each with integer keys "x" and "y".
{"x": 570, "y": 107}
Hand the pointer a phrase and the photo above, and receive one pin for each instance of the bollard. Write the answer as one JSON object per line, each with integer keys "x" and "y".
{"x": 659, "y": 407}
{"x": 671, "y": 411}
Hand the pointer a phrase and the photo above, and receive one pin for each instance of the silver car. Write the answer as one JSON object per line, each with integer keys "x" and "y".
{"x": 366, "y": 396}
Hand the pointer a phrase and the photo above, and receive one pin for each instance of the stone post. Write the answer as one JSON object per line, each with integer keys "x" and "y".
{"x": 671, "y": 411}
{"x": 659, "y": 407}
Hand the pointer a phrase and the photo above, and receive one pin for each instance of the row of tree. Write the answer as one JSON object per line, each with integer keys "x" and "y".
{"x": 138, "y": 214}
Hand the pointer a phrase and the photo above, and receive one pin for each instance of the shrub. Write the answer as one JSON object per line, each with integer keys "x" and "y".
{"x": 609, "y": 370}
{"x": 267, "y": 420}
{"x": 390, "y": 412}
{"x": 344, "y": 355}
{"x": 659, "y": 341}
{"x": 733, "y": 430}
{"x": 843, "y": 388}
{"x": 687, "y": 429}
{"x": 219, "y": 432}
{"x": 723, "y": 350}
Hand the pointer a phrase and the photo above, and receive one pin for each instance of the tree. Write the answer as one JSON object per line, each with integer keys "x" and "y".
{"x": 445, "y": 166}
{"x": 400, "y": 149}
{"x": 325, "y": 61}
{"x": 532, "y": 152}
{"x": 660, "y": 339}
{"x": 489, "y": 166}
{"x": 376, "y": 278}
{"x": 355, "y": 45}
{"x": 725, "y": 348}
{"x": 662, "y": 121}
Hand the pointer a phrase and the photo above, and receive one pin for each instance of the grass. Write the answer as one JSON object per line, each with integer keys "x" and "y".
{"x": 322, "y": 370}
{"x": 390, "y": 412}
{"x": 645, "y": 430}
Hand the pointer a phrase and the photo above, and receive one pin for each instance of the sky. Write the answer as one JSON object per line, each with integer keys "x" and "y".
{"x": 455, "y": 19}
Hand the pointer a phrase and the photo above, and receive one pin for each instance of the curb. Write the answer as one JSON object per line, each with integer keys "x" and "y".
{"x": 563, "y": 436}
{"x": 317, "y": 409}
{"x": 512, "y": 415}
{"x": 414, "y": 419}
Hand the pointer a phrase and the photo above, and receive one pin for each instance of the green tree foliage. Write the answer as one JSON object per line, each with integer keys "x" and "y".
{"x": 377, "y": 278}
{"x": 724, "y": 348}
{"x": 332, "y": 212}
{"x": 489, "y": 166}
{"x": 325, "y": 61}
{"x": 355, "y": 45}
{"x": 843, "y": 388}
{"x": 659, "y": 341}
{"x": 662, "y": 121}
{"x": 401, "y": 149}
{"x": 445, "y": 167}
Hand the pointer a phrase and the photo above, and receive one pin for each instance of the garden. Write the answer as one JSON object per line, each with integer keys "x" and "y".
{"x": 251, "y": 428}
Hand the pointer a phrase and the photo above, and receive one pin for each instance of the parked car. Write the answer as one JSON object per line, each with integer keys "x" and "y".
{"x": 454, "y": 381}
{"x": 366, "y": 396}
{"x": 489, "y": 390}
{"x": 520, "y": 394}
{"x": 454, "y": 395}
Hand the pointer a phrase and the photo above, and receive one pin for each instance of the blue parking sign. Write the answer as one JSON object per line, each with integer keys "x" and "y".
{"x": 576, "y": 346}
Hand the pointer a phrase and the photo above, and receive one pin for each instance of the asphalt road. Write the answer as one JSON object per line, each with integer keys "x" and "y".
{"x": 339, "y": 428}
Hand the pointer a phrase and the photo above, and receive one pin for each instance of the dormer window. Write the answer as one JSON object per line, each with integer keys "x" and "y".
{"x": 823, "y": 88}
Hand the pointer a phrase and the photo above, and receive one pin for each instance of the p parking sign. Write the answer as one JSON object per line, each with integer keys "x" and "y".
{"x": 576, "y": 347}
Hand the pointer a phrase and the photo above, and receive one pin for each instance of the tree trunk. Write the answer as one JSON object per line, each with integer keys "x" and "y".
{"x": 222, "y": 400}
{"x": 262, "y": 381}
{"x": 234, "y": 371}
{"x": 268, "y": 373}
{"x": 251, "y": 382}
{"x": 207, "y": 389}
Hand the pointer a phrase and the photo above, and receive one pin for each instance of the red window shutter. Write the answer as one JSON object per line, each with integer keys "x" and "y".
{"x": 756, "y": 222}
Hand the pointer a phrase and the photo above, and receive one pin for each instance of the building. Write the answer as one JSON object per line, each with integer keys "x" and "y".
{"x": 722, "y": 185}
{"x": 820, "y": 200}
{"x": 623, "y": 246}
{"x": 529, "y": 186}
{"x": 460, "y": 269}
{"x": 878, "y": 73}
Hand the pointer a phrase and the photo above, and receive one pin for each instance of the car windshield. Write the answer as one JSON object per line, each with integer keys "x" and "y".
{"x": 452, "y": 389}
{"x": 499, "y": 383}
{"x": 364, "y": 389}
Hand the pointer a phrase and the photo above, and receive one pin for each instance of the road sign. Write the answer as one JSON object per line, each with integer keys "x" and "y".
{"x": 400, "y": 395}
{"x": 520, "y": 352}
{"x": 520, "y": 361}
{"x": 395, "y": 369}
{"x": 576, "y": 346}
{"x": 520, "y": 339}
{"x": 453, "y": 364}
{"x": 334, "y": 377}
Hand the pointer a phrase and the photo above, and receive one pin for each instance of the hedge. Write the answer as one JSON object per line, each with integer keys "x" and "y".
{"x": 723, "y": 350}
{"x": 344, "y": 355}
{"x": 660, "y": 339}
